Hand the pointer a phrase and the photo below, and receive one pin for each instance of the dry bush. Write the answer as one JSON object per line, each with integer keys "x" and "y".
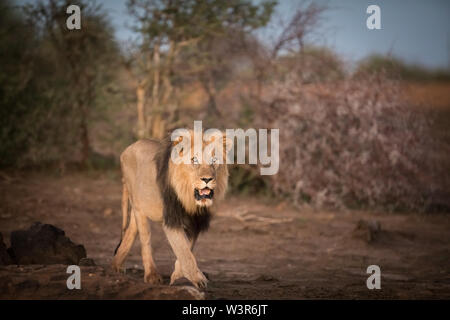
{"x": 354, "y": 143}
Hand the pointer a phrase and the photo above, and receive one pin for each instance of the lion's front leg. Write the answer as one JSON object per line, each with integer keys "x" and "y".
{"x": 177, "y": 273}
{"x": 187, "y": 265}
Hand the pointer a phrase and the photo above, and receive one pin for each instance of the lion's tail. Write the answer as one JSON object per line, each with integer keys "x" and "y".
{"x": 125, "y": 195}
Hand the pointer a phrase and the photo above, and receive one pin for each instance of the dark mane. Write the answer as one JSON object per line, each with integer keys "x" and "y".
{"x": 174, "y": 214}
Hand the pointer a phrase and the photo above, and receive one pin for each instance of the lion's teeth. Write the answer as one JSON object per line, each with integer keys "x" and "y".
{"x": 205, "y": 191}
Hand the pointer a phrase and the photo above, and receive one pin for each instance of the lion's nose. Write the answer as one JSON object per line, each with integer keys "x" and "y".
{"x": 207, "y": 179}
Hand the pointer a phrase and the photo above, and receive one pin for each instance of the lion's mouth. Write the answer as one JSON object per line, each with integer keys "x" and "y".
{"x": 205, "y": 193}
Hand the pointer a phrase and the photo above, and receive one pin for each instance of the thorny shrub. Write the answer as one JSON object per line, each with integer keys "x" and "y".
{"x": 352, "y": 144}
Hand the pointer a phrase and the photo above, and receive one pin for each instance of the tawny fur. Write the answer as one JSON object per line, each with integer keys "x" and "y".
{"x": 141, "y": 190}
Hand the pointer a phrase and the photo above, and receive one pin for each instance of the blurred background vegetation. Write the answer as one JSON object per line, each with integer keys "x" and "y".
{"x": 372, "y": 136}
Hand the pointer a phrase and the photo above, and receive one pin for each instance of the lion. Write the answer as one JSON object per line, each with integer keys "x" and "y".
{"x": 181, "y": 196}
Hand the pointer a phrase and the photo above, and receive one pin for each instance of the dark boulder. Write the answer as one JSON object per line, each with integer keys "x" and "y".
{"x": 4, "y": 255}
{"x": 44, "y": 244}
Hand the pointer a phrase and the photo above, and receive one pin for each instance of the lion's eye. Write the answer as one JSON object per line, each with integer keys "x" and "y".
{"x": 194, "y": 160}
{"x": 214, "y": 160}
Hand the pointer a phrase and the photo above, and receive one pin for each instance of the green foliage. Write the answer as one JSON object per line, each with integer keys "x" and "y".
{"x": 18, "y": 89}
{"x": 181, "y": 42}
{"x": 52, "y": 82}
{"x": 395, "y": 68}
{"x": 182, "y": 19}
{"x": 246, "y": 180}
{"x": 247, "y": 114}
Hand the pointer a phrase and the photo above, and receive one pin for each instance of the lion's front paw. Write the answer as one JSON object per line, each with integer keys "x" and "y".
{"x": 198, "y": 279}
{"x": 116, "y": 267}
{"x": 177, "y": 273}
{"x": 175, "y": 276}
{"x": 153, "y": 278}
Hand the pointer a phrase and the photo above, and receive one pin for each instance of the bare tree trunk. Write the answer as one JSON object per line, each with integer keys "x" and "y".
{"x": 85, "y": 145}
{"x": 208, "y": 85}
{"x": 158, "y": 128}
{"x": 166, "y": 75}
{"x": 140, "y": 95}
{"x": 154, "y": 121}
{"x": 156, "y": 66}
{"x": 212, "y": 93}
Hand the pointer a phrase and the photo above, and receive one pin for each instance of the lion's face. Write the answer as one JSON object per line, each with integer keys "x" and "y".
{"x": 199, "y": 183}
{"x": 204, "y": 177}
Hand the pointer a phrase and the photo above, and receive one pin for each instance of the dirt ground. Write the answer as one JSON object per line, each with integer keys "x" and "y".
{"x": 254, "y": 249}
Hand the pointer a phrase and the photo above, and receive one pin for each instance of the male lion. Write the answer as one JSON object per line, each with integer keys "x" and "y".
{"x": 181, "y": 196}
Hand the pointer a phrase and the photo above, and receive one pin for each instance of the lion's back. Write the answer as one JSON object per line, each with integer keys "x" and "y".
{"x": 139, "y": 173}
{"x": 141, "y": 150}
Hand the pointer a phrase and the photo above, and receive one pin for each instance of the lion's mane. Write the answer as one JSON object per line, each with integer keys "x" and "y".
{"x": 178, "y": 209}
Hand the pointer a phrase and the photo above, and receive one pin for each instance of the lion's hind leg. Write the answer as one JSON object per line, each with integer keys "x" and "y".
{"x": 125, "y": 244}
{"x": 151, "y": 275}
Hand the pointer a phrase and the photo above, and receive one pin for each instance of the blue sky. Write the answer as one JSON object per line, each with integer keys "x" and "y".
{"x": 415, "y": 30}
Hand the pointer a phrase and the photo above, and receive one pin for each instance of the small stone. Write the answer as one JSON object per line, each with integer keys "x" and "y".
{"x": 367, "y": 230}
{"x": 266, "y": 277}
{"x": 107, "y": 212}
{"x": 86, "y": 262}
{"x": 281, "y": 206}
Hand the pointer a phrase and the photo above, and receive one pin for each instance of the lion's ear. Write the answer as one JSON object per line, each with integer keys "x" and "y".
{"x": 176, "y": 142}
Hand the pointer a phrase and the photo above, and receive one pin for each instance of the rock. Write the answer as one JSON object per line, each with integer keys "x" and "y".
{"x": 50, "y": 282}
{"x": 266, "y": 277}
{"x": 181, "y": 293}
{"x": 107, "y": 212}
{"x": 4, "y": 255}
{"x": 86, "y": 262}
{"x": 44, "y": 244}
{"x": 367, "y": 230}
